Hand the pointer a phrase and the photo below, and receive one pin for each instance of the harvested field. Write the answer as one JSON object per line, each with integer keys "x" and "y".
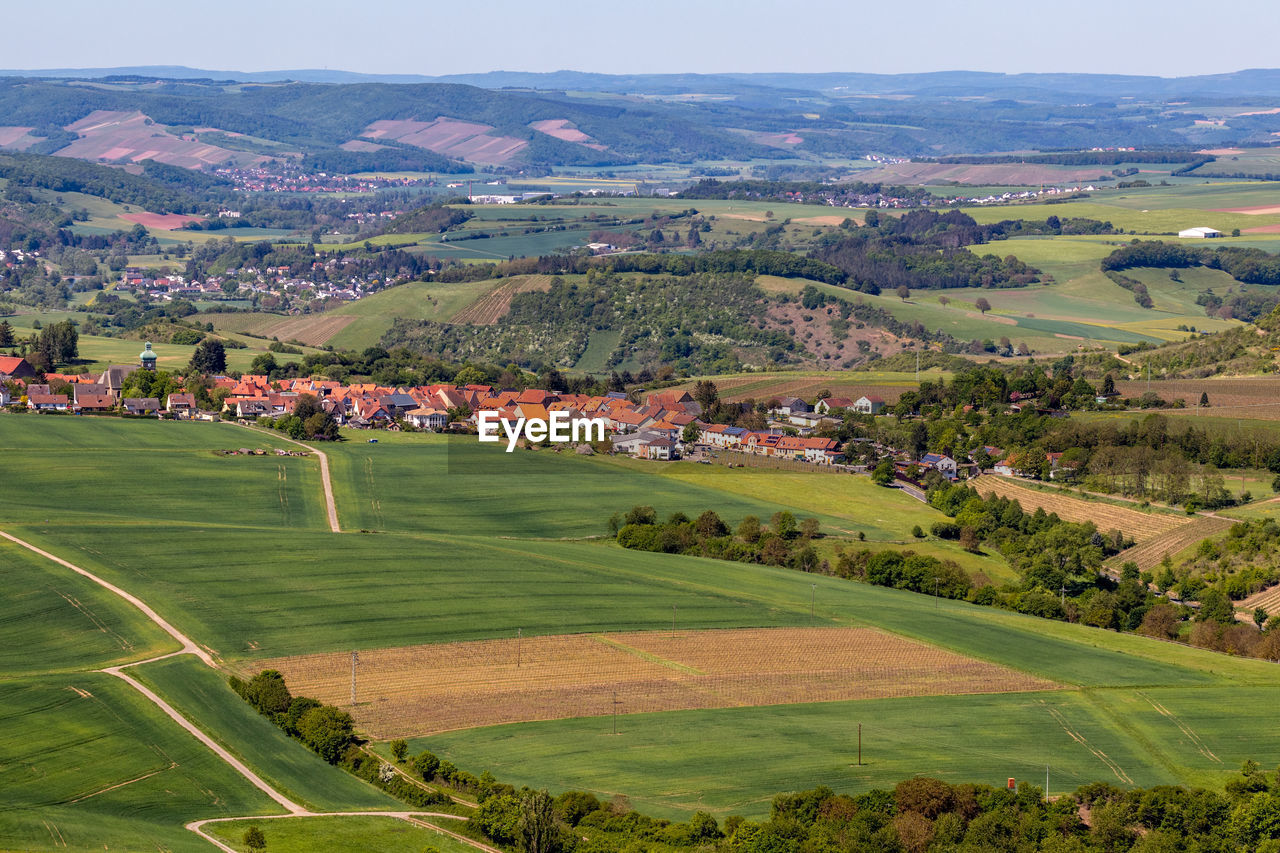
{"x": 421, "y": 690}
{"x": 462, "y": 140}
{"x": 1149, "y": 552}
{"x": 1260, "y": 210}
{"x": 563, "y": 129}
{"x": 17, "y": 138}
{"x": 161, "y": 221}
{"x": 492, "y": 307}
{"x": 1254, "y": 397}
{"x": 995, "y": 174}
{"x": 1141, "y": 526}
{"x": 134, "y": 137}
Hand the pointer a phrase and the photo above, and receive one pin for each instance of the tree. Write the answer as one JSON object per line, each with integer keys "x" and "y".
{"x": 327, "y": 730}
{"x": 1204, "y": 399}
{"x": 254, "y": 839}
{"x": 399, "y": 747}
{"x": 209, "y": 358}
{"x": 689, "y": 435}
{"x": 706, "y": 394}
{"x": 903, "y": 292}
{"x": 59, "y": 343}
{"x": 1215, "y": 606}
{"x": 710, "y": 526}
{"x": 784, "y": 524}
{"x": 749, "y": 529}
{"x": 883, "y": 473}
{"x": 537, "y": 827}
{"x": 810, "y": 528}
{"x": 1108, "y": 386}
{"x": 6, "y": 334}
{"x": 982, "y": 304}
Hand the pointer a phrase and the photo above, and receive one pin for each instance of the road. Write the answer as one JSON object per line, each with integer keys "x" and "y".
{"x": 189, "y": 647}
{"x": 329, "y": 502}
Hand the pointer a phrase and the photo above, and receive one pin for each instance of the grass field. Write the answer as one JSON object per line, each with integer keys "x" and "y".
{"x": 348, "y": 834}
{"x": 475, "y": 545}
{"x": 90, "y": 762}
{"x": 675, "y": 763}
{"x": 202, "y": 695}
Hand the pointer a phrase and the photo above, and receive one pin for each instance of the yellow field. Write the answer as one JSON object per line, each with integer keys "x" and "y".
{"x": 421, "y": 690}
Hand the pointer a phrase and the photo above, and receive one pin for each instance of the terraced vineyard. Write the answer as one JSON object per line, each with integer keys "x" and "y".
{"x": 1149, "y": 552}
{"x": 493, "y": 306}
{"x": 1140, "y": 526}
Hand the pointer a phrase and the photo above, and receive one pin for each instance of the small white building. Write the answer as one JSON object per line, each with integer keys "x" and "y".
{"x": 868, "y": 405}
{"x": 1201, "y": 232}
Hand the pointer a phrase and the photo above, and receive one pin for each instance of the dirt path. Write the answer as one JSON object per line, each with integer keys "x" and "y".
{"x": 330, "y": 505}
{"x": 416, "y": 818}
{"x": 189, "y": 647}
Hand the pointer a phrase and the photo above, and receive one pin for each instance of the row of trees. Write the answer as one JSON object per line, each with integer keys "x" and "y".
{"x": 784, "y": 542}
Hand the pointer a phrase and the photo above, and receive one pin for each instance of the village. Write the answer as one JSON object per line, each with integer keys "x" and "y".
{"x": 662, "y": 425}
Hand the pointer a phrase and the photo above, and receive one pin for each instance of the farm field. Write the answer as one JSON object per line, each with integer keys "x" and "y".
{"x": 1240, "y": 397}
{"x": 1107, "y": 516}
{"x": 202, "y": 695}
{"x": 112, "y": 770}
{"x": 1165, "y": 220}
{"x": 348, "y": 834}
{"x": 1149, "y": 553}
{"x": 425, "y": 689}
{"x": 672, "y": 764}
{"x": 736, "y": 387}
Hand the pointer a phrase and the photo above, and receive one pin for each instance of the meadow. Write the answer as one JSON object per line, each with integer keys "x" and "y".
{"x": 348, "y": 834}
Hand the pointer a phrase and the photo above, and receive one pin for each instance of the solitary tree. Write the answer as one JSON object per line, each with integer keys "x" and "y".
{"x": 210, "y": 357}
{"x": 254, "y": 839}
{"x": 537, "y": 825}
{"x": 6, "y": 334}
{"x": 903, "y": 292}
{"x": 944, "y": 301}
{"x": 1204, "y": 399}
{"x": 982, "y": 304}
{"x": 398, "y": 748}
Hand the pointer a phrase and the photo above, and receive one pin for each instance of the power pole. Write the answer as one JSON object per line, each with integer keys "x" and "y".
{"x": 355, "y": 659}
{"x": 615, "y": 712}
{"x": 859, "y": 744}
{"x": 935, "y": 593}
{"x": 518, "y": 633}
{"x": 813, "y": 601}
{"x": 1046, "y": 783}
{"x": 673, "y": 620}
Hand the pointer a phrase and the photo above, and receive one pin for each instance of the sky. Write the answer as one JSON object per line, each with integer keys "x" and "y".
{"x": 1158, "y": 37}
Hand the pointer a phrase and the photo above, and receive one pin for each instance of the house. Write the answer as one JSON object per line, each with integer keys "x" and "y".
{"x": 4, "y": 396}
{"x": 47, "y": 402}
{"x": 426, "y": 418}
{"x": 94, "y": 402}
{"x": 1200, "y": 232}
{"x": 944, "y": 465}
{"x": 868, "y": 404}
{"x": 15, "y": 367}
{"x": 659, "y": 448}
{"x": 114, "y": 376}
{"x": 252, "y": 407}
{"x": 397, "y": 404}
{"x": 719, "y": 435}
{"x": 821, "y": 451}
{"x": 141, "y": 405}
{"x": 786, "y": 406}
{"x": 675, "y": 400}
{"x": 807, "y": 420}
{"x": 181, "y": 405}
{"x": 826, "y": 404}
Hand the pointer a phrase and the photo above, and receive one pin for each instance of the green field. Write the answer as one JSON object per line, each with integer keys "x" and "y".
{"x": 348, "y": 834}
{"x": 450, "y": 541}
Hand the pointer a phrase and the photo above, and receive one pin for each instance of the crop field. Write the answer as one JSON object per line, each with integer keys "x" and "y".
{"x": 348, "y": 834}
{"x": 428, "y": 689}
{"x": 1139, "y": 525}
{"x": 111, "y": 770}
{"x": 493, "y": 306}
{"x": 736, "y": 387}
{"x": 1149, "y": 553}
{"x": 675, "y": 763}
{"x": 1144, "y": 220}
{"x": 1247, "y": 397}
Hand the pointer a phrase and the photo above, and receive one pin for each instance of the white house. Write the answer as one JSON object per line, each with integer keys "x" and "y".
{"x": 944, "y": 465}
{"x": 1201, "y": 232}
{"x": 425, "y": 418}
{"x": 868, "y": 405}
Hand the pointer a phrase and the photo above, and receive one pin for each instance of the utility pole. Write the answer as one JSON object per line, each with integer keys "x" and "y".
{"x": 355, "y": 659}
{"x": 615, "y": 712}
{"x": 673, "y": 620}
{"x": 813, "y": 601}
{"x": 1046, "y": 783}
{"x": 935, "y": 593}
{"x": 859, "y": 744}
{"x": 519, "y": 631}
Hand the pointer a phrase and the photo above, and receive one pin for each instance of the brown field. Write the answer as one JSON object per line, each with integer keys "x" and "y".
{"x": 563, "y": 129}
{"x": 161, "y": 221}
{"x": 1257, "y": 210}
{"x": 419, "y": 690}
{"x": 1141, "y": 526}
{"x": 462, "y": 140}
{"x": 1149, "y": 552}
{"x": 997, "y": 174}
{"x": 134, "y": 137}
{"x": 361, "y": 145}
{"x": 311, "y": 329}
{"x": 492, "y": 307}
{"x": 1268, "y": 598}
{"x": 735, "y": 389}
{"x": 18, "y": 138}
{"x": 1253, "y": 397}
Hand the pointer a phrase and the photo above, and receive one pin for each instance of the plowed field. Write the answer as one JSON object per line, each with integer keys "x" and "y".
{"x": 421, "y": 690}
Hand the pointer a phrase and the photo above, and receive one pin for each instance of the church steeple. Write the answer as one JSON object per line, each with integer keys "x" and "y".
{"x": 148, "y": 358}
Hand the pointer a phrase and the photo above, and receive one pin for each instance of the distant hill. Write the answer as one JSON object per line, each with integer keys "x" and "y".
{"x": 516, "y": 120}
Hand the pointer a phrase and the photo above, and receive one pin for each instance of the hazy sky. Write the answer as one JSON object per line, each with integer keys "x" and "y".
{"x": 1162, "y": 37}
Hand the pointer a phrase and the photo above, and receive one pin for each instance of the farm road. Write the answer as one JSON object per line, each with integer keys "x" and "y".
{"x": 189, "y": 647}
{"x": 330, "y": 505}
